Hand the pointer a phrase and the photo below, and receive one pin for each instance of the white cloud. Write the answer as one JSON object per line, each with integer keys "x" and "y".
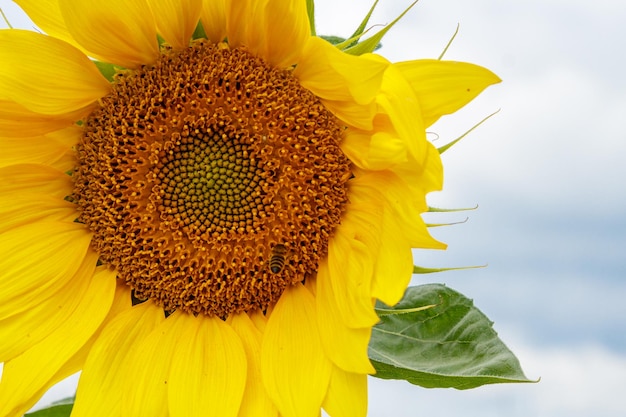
{"x": 578, "y": 380}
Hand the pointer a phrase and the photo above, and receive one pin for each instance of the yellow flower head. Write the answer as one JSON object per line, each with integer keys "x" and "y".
{"x": 206, "y": 231}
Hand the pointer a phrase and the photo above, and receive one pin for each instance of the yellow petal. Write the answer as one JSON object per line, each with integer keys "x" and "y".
{"x": 67, "y": 162}
{"x": 404, "y": 197}
{"x": 335, "y": 75}
{"x": 16, "y": 121}
{"x": 176, "y": 20}
{"x": 401, "y": 225}
{"x": 345, "y": 346}
{"x": 122, "y": 300}
{"x": 443, "y": 87}
{"x": 25, "y": 325}
{"x": 213, "y": 18}
{"x": 259, "y": 319}
{"x": 429, "y": 169}
{"x": 23, "y": 209}
{"x": 310, "y": 283}
{"x": 402, "y": 229}
{"x": 397, "y": 100}
{"x": 255, "y": 401}
{"x": 37, "y": 260}
{"x": 34, "y": 179}
{"x": 397, "y": 129}
{"x": 351, "y": 257}
{"x": 295, "y": 369}
{"x": 46, "y": 14}
{"x": 67, "y": 138}
{"x": 433, "y": 170}
{"x": 47, "y": 149}
{"x": 99, "y": 389}
{"x": 46, "y": 75}
{"x": 70, "y": 367}
{"x": 351, "y": 113}
{"x": 394, "y": 263}
{"x": 239, "y": 17}
{"x": 375, "y": 150}
{"x": 351, "y": 265}
{"x": 286, "y": 32}
{"x": 341, "y": 79}
{"x": 347, "y": 394}
{"x": 24, "y": 375}
{"x": 208, "y": 368}
{"x": 77, "y": 361}
{"x": 421, "y": 177}
{"x": 122, "y": 32}
{"x": 273, "y": 30}
{"x": 149, "y": 361}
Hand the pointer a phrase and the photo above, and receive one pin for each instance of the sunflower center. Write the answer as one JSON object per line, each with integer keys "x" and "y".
{"x": 210, "y": 180}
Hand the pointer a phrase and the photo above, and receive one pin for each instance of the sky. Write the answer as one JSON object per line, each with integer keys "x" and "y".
{"x": 547, "y": 175}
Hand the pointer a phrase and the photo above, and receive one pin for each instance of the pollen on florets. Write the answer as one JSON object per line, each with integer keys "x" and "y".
{"x": 210, "y": 180}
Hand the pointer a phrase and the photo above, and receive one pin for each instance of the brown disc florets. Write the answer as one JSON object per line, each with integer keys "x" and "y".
{"x": 211, "y": 181}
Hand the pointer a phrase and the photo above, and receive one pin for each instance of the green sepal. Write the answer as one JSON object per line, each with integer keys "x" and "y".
{"x": 343, "y": 43}
{"x": 423, "y": 270}
{"x": 446, "y": 224}
{"x": 310, "y": 10}
{"x": 455, "y": 141}
{"x": 432, "y": 209}
{"x": 449, "y": 344}
{"x": 199, "y": 32}
{"x": 361, "y": 29}
{"x": 371, "y": 44}
{"x": 456, "y": 32}
{"x": 107, "y": 70}
{"x": 61, "y": 408}
{"x": 6, "y": 21}
{"x": 160, "y": 40}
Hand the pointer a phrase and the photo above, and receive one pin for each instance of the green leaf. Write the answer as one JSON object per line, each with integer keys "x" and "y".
{"x": 333, "y": 40}
{"x": 450, "y": 344}
{"x": 61, "y": 408}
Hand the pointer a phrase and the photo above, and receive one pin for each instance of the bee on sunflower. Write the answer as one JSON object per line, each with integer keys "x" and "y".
{"x": 202, "y": 202}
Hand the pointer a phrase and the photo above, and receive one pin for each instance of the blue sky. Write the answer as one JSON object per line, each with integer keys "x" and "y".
{"x": 547, "y": 173}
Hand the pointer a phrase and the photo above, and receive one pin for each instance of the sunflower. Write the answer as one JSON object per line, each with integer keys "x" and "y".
{"x": 201, "y": 201}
